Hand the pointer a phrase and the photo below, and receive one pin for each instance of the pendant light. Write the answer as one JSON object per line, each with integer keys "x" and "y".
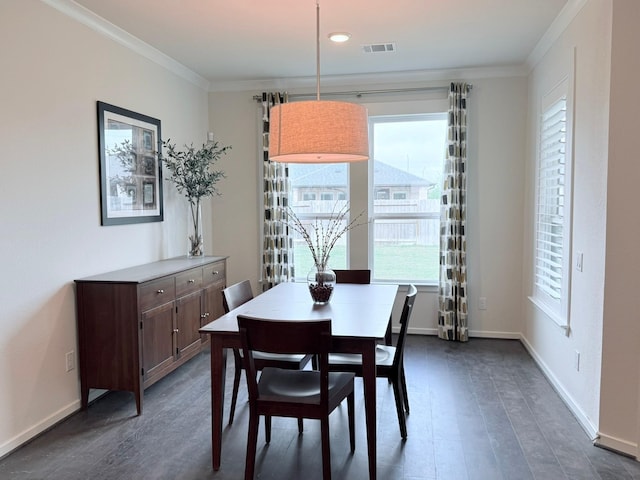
{"x": 318, "y": 131}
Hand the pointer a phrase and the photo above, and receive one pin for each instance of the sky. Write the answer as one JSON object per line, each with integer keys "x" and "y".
{"x": 414, "y": 146}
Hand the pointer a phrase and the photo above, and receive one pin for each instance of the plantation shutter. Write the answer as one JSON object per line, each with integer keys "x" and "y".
{"x": 550, "y": 202}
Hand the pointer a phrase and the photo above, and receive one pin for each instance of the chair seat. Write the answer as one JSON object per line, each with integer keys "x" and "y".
{"x": 301, "y": 386}
{"x": 291, "y": 361}
{"x": 282, "y": 357}
{"x": 384, "y": 357}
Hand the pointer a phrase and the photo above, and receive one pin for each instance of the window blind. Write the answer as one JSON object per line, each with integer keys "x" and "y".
{"x": 549, "y": 251}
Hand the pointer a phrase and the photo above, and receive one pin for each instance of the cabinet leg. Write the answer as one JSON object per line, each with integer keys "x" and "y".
{"x": 138, "y": 395}
{"x": 84, "y": 397}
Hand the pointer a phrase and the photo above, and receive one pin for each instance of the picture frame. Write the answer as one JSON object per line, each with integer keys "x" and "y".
{"x": 130, "y": 167}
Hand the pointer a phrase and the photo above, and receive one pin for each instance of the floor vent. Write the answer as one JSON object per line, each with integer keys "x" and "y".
{"x": 379, "y": 48}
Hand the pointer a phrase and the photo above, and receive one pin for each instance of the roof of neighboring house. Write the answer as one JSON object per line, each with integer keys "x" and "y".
{"x": 333, "y": 175}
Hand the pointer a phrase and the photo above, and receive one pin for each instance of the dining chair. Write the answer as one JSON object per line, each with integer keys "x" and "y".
{"x": 233, "y": 297}
{"x": 292, "y": 393}
{"x": 353, "y": 276}
{"x": 361, "y": 277}
{"x": 389, "y": 363}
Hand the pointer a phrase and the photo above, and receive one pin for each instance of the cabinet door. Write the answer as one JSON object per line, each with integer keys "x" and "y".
{"x": 157, "y": 340}
{"x": 212, "y": 306}
{"x": 188, "y": 323}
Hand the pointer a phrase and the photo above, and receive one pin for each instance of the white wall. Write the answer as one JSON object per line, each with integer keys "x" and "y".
{"x": 53, "y": 71}
{"x": 620, "y": 403}
{"x": 589, "y": 34}
{"x": 495, "y": 197}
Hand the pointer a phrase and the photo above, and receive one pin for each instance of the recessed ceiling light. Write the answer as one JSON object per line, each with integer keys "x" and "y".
{"x": 339, "y": 37}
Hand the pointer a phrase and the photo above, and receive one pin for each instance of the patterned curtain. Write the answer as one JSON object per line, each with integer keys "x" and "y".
{"x": 277, "y": 248}
{"x": 452, "y": 293}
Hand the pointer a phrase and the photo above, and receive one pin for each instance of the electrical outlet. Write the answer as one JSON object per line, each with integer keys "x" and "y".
{"x": 482, "y": 303}
{"x": 70, "y": 360}
{"x": 576, "y": 360}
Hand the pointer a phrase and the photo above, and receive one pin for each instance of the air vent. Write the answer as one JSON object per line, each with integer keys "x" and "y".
{"x": 379, "y": 48}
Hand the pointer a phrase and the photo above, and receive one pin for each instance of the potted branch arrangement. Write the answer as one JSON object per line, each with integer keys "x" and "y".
{"x": 321, "y": 236}
{"x": 193, "y": 177}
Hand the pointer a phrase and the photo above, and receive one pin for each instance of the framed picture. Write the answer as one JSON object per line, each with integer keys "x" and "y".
{"x": 130, "y": 170}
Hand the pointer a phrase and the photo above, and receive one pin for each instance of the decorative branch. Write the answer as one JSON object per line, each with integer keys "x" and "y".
{"x": 321, "y": 239}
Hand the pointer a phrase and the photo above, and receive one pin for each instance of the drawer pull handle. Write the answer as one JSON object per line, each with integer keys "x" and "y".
{"x": 216, "y": 272}
{"x": 160, "y": 292}
{"x": 204, "y": 315}
{"x": 175, "y": 330}
{"x": 191, "y": 280}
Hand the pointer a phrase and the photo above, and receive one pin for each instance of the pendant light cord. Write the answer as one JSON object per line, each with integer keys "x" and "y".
{"x": 317, "y": 49}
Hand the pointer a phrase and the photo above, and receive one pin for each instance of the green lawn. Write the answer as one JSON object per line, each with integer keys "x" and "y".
{"x": 408, "y": 262}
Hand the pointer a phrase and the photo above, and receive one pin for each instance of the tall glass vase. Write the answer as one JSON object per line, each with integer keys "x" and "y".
{"x": 321, "y": 281}
{"x": 195, "y": 242}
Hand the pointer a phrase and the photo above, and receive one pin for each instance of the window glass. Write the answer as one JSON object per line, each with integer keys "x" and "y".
{"x": 408, "y": 155}
{"x": 317, "y": 190}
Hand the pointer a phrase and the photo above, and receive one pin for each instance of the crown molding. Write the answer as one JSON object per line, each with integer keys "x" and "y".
{"x": 100, "y": 25}
{"x": 361, "y": 80}
{"x": 557, "y": 27}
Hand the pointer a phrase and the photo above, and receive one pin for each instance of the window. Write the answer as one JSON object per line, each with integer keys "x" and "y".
{"x": 398, "y": 189}
{"x": 332, "y": 181}
{"x": 382, "y": 194}
{"x": 326, "y": 197}
{"x": 406, "y": 173}
{"x": 553, "y": 210}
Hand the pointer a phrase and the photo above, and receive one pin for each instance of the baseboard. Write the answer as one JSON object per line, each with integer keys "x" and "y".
{"x": 582, "y": 418}
{"x": 493, "y": 334}
{"x": 49, "y": 422}
{"x": 472, "y": 333}
{"x": 417, "y": 330}
{"x": 40, "y": 427}
{"x": 617, "y": 445}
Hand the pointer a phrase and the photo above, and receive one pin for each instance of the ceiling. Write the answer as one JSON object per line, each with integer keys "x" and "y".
{"x": 226, "y": 42}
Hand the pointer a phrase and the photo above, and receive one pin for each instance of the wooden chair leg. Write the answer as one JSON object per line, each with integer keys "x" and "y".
{"x": 352, "y": 423}
{"x": 252, "y": 440}
{"x": 326, "y": 450}
{"x": 267, "y": 428}
{"x": 397, "y": 393}
{"x": 300, "y": 426}
{"x": 388, "y": 340}
{"x": 403, "y": 383}
{"x": 236, "y": 383}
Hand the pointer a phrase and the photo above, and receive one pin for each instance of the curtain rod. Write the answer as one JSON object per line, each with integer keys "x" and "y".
{"x": 360, "y": 93}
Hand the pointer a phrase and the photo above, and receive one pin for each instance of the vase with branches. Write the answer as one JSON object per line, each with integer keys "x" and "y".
{"x": 321, "y": 236}
{"x": 191, "y": 172}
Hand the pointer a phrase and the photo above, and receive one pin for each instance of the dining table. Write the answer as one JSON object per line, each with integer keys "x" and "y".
{"x": 359, "y": 317}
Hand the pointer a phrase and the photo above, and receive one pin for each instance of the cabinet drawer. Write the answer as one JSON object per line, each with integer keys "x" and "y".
{"x": 157, "y": 292}
{"x": 213, "y": 273}
{"x": 189, "y": 281}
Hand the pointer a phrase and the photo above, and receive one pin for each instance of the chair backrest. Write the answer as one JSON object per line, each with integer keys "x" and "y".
{"x": 353, "y": 276}
{"x": 284, "y": 336}
{"x": 236, "y": 295}
{"x": 404, "y": 324}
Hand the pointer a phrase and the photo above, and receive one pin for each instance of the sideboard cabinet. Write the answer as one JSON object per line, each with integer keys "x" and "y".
{"x": 138, "y": 324}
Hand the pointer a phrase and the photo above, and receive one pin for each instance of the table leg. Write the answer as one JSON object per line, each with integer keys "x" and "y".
{"x": 369, "y": 384}
{"x": 218, "y": 373}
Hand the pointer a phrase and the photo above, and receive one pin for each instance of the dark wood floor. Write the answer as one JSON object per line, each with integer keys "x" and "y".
{"x": 480, "y": 410}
